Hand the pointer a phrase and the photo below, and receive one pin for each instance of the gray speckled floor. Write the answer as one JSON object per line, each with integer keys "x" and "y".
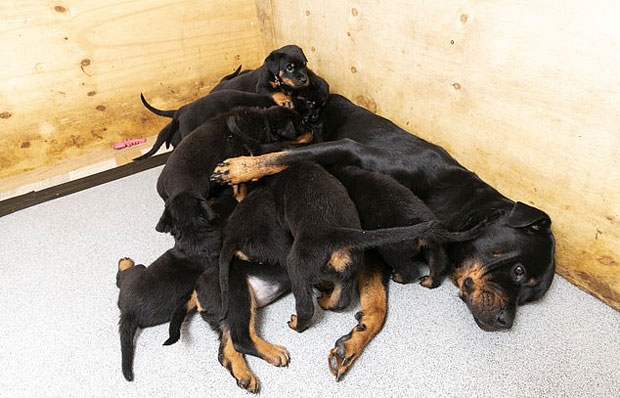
{"x": 59, "y": 324}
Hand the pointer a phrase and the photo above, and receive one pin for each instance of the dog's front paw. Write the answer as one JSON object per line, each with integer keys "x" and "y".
{"x": 429, "y": 282}
{"x": 275, "y": 355}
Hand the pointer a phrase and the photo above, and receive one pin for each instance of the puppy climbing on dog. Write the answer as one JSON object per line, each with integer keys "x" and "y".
{"x": 283, "y": 71}
{"x": 184, "y": 181}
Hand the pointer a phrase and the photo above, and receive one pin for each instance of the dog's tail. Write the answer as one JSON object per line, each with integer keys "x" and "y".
{"x": 156, "y": 111}
{"x": 164, "y": 136}
{"x": 364, "y": 239}
{"x": 226, "y": 256}
{"x": 127, "y": 327}
{"x": 233, "y": 74}
{"x": 444, "y": 236}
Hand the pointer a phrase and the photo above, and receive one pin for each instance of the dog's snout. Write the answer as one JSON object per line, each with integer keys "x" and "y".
{"x": 503, "y": 320}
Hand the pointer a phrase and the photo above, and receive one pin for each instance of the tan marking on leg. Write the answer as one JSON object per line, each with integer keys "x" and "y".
{"x": 305, "y": 138}
{"x": 125, "y": 263}
{"x": 282, "y": 100}
{"x": 273, "y": 354}
{"x": 236, "y": 364}
{"x": 373, "y": 304}
{"x": 340, "y": 260}
{"x": 241, "y": 256}
{"x": 240, "y": 191}
{"x": 329, "y": 299}
{"x": 292, "y": 323}
{"x": 249, "y": 168}
{"x": 192, "y": 302}
{"x": 194, "y": 297}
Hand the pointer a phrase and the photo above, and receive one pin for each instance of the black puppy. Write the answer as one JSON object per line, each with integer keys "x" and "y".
{"x": 282, "y": 71}
{"x": 188, "y": 117}
{"x": 152, "y": 296}
{"x": 382, "y": 202}
{"x": 303, "y": 220}
{"x": 184, "y": 181}
{"x": 518, "y": 234}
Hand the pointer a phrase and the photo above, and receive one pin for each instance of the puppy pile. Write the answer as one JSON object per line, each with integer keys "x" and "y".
{"x": 275, "y": 185}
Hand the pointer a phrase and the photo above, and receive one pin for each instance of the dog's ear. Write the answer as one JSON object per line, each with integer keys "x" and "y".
{"x": 522, "y": 216}
{"x": 207, "y": 212}
{"x": 273, "y": 62}
{"x": 165, "y": 223}
{"x": 289, "y": 131}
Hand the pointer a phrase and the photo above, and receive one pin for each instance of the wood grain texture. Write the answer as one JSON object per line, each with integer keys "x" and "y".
{"x": 72, "y": 71}
{"x": 525, "y": 93}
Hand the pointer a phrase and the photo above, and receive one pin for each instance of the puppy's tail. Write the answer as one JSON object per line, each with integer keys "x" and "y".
{"x": 444, "y": 236}
{"x": 233, "y": 74}
{"x": 164, "y": 136}
{"x": 127, "y": 327}
{"x": 226, "y": 256}
{"x": 364, "y": 239}
{"x": 156, "y": 111}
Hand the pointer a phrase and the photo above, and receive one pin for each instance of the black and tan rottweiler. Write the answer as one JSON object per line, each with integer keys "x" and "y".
{"x": 510, "y": 263}
{"x": 303, "y": 220}
{"x": 184, "y": 181}
{"x": 283, "y": 71}
{"x": 152, "y": 295}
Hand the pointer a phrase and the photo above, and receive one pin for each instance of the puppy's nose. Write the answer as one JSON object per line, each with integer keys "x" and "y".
{"x": 303, "y": 79}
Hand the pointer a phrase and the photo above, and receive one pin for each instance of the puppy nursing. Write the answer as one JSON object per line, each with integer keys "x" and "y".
{"x": 341, "y": 217}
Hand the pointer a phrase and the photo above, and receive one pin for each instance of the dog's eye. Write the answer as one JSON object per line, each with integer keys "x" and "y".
{"x": 519, "y": 273}
{"x": 290, "y": 67}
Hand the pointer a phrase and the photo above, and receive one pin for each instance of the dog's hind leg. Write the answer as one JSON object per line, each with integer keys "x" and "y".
{"x": 372, "y": 285}
{"x": 236, "y": 364}
{"x": 184, "y": 306}
{"x": 437, "y": 260}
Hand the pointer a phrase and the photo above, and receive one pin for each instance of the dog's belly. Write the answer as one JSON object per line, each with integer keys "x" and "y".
{"x": 265, "y": 290}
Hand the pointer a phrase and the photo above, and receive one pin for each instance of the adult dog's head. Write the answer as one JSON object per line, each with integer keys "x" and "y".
{"x": 288, "y": 65}
{"x": 193, "y": 224}
{"x": 511, "y": 263}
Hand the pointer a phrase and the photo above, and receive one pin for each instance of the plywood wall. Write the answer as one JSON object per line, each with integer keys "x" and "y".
{"x": 526, "y": 93}
{"x": 72, "y": 70}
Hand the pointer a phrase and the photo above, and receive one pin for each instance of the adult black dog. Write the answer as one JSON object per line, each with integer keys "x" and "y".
{"x": 512, "y": 260}
{"x": 184, "y": 181}
{"x": 282, "y": 71}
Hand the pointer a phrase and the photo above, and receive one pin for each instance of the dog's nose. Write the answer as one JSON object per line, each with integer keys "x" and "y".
{"x": 503, "y": 320}
{"x": 303, "y": 79}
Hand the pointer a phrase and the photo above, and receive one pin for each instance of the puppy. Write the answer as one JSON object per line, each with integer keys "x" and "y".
{"x": 282, "y": 71}
{"x": 382, "y": 202}
{"x": 188, "y": 117}
{"x": 184, "y": 181}
{"x": 151, "y": 296}
{"x": 303, "y": 220}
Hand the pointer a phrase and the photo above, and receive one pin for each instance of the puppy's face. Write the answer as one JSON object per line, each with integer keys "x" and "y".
{"x": 289, "y": 65}
{"x": 310, "y": 100}
{"x": 193, "y": 224}
{"x": 284, "y": 124}
{"x": 510, "y": 264}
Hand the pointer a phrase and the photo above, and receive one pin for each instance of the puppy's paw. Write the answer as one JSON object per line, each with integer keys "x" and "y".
{"x": 283, "y": 100}
{"x": 293, "y": 322}
{"x": 275, "y": 355}
{"x": 429, "y": 282}
{"x": 125, "y": 263}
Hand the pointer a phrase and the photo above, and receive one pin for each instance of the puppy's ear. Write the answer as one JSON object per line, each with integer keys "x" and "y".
{"x": 165, "y": 223}
{"x": 522, "y": 216}
{"x": 207, "y": 212}
{"x": 273, "y": 62}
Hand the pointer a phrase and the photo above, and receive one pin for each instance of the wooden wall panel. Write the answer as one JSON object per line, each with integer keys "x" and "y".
{"x": 72, "y": 70}
{"x": 525, "y": 93}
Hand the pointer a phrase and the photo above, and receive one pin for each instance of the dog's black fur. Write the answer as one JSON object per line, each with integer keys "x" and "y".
{"x": 184, "y": 182}
{"x": 303, "y": 220}
{"x": 283, "y": 71}
{"x": 189, "y": 117}
{"x": 510, "y": 263}
{"x": 152, "y": 296}
{"x": 382, "y": 202}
